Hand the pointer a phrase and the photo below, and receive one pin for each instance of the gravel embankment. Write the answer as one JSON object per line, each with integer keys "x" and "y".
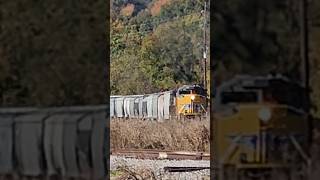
{"x": 156, "y": 166}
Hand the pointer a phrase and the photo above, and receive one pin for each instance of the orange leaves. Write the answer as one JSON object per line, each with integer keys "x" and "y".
{"x": 156, "y": 8}
{"x": 127, "y": 10}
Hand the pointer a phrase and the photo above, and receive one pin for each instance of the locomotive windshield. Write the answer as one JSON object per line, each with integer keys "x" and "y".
{"x": 192, "y": 90}
{"x": 239, "y": 97}
{"x": 256, "y": 90}
{"x": 282, "y": 93}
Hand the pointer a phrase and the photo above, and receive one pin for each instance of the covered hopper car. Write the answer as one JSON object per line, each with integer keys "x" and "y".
{"x": 189, "y": 101}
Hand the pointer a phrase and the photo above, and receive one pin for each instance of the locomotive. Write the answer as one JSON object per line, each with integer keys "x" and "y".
{"x": 191, "y": 102}
{"x": 260, "y": 127}
{"x": 188, "y": 101}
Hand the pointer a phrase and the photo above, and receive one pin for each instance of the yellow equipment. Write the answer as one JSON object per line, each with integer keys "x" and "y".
{"x": 260, "y": 126}
{"x": 191, "y": 101}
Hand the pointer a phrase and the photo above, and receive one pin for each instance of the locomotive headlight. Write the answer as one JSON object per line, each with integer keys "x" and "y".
{"x": 193, "y": 97}
{"x": 264, "y": 114}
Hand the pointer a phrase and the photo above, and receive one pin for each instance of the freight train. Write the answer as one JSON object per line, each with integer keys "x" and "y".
{"x": 187, "y": 102}
{"x": 261, "y": 126}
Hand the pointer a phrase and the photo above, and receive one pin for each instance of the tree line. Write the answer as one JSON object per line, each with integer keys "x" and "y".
{"x": 261, "y": 37}
{"x": 52, "y": 53}
{"x": 155, "y": 47}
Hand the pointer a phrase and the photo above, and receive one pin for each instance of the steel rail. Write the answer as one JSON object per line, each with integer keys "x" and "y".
{"x": 183, "y": 169}
{"x": 156, "y": 154}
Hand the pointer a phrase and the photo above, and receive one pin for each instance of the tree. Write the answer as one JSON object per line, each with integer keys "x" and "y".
{"x": 157, "y": 52}
{"x": 53, "y": 53}
{"x": 256, "y": 37}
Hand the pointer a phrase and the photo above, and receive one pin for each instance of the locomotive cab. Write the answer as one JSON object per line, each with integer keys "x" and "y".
{"x": 191, "y": 101}
{"x": 259, "y": 127}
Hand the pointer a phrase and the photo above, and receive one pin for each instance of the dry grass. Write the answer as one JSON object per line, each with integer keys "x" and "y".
{"x": 169, "y": 135}
{"x": 126, "y": 172}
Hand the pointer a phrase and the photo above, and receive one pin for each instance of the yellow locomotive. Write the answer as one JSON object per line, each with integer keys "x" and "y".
{"x": 191, "y": 101}
{"x": 260, "y": 129}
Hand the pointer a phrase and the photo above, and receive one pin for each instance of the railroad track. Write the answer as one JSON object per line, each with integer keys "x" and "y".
{"x": 155, "y": 154}
{"x": 184, "y": 169}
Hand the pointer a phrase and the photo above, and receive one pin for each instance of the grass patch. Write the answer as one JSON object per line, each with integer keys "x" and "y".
{"x": 168, "y": 135}
{"x": 116, "y": 173}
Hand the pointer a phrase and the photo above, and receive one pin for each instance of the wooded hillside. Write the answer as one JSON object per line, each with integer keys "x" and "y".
{"x": 259, "y": 37}
{"x": 155, "y": 44}
{"x": 52, "y": 53}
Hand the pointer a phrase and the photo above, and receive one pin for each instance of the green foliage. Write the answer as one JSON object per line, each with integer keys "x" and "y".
{"x": 50, "y": 53}
{"x": 174, "y": 54}
{"x": 179, "y": 8}
{"x": 257, "y": 37}
{"x": 150, "y": 53}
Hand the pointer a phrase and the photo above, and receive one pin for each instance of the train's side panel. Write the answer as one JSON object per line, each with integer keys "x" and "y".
{"x": 119, "y": 103}
{"x": 145, "y": 107}
{"x": 126, "y": 107}
{"x": 169, "y": 102}
{"x": 6, "y": 144}
{"x": 42, "y": 142}
{"x": 230, "y": 127}
{"x": 181, "y": 101}
{"x": 112, "y": 107}
{"x": 131, "y": 107}
{"x": 155, "y": 106}
{"x": 167, "y": 98}
{"x": 140, "y": 104}
{"x": 161, "y": 107}
{"x": 26, "y": 138}
{"x": 136, "y": 107}
{"x": 149, "y": 107}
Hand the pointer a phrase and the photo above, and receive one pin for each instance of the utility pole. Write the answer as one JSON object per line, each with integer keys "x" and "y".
{"x": 305, "y": 63}
{"x": 205, "y": 46}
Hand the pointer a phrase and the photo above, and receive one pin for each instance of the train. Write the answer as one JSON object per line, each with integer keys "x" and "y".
{"x": 186, "y": 102}
{"x": 261, "y": 129}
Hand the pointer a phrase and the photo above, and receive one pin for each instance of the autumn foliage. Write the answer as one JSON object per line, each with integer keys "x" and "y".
{"x": 156, "y": 8}
{"x": 127, "y": 10}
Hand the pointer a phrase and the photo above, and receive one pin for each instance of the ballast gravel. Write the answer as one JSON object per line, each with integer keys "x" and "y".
{"x": 157, "y": 167}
